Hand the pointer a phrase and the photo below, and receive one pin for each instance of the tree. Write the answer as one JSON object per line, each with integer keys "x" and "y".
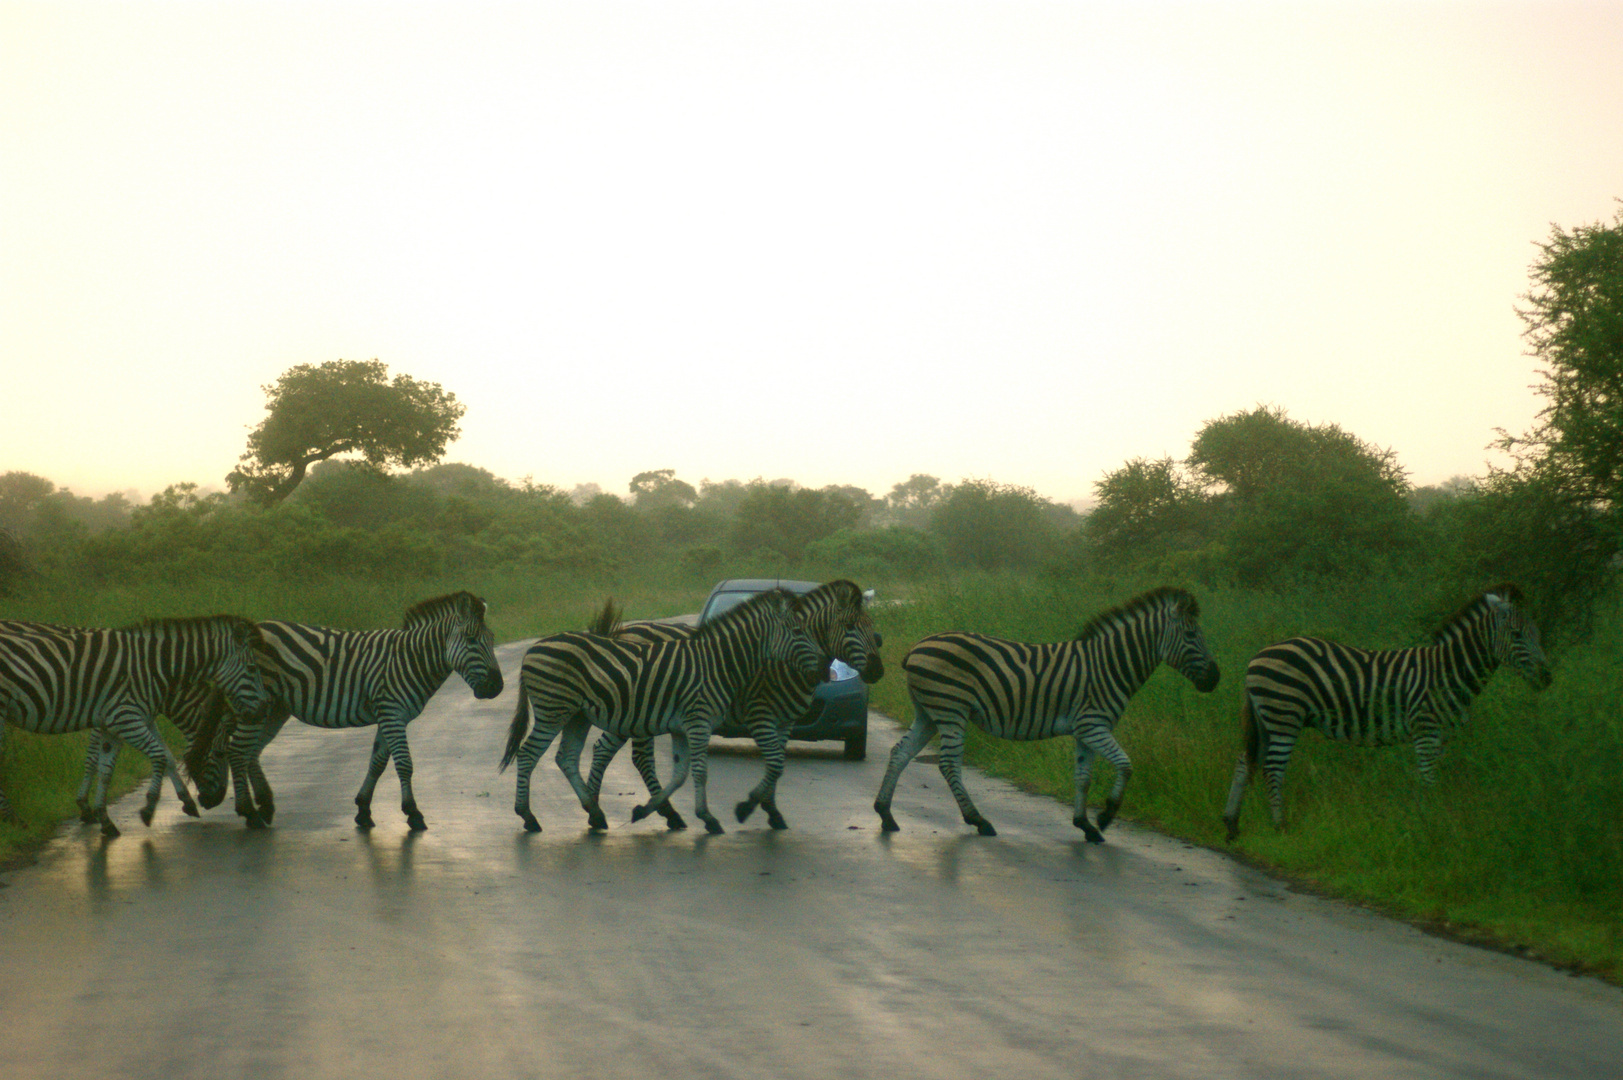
{"x": 318, "y": 412}
{"x": 990, "y": 526}
{"x": 1574, "y": 324}
{"x": 784, "y": 519}
{"x": 1145, "y": 506}
{"x": 1296, "y": 498}
{"x": 658, "y": 489}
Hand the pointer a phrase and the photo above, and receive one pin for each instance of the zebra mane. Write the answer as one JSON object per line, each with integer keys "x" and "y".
{"x": 198, "y": 623}
{"x": 607, "y": 620}
{"x": 462, "y": 603}
{"x": 1468, "y": 610}
{"x": 745, "y": 610}
{"x": 844, "y": 593}
{"x": 1106, "y": 621}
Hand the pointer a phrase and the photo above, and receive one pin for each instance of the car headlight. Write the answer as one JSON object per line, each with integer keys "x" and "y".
{"x": 839, "y": 671}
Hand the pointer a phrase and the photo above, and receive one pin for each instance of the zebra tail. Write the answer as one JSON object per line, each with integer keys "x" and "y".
{"x": 519, "y": 727}
{"x": 1250, "y": 732}
{"x": 607, "y": 621}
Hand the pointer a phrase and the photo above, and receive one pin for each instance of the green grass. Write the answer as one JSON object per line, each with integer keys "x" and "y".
{"x": 1519, "y": 844}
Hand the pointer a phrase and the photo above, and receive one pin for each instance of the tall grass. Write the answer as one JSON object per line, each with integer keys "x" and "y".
{"x": 1520, "y": 842}
{"x": 40, "y": 773}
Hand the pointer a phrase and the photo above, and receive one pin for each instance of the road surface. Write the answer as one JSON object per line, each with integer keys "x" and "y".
{"x": 197, "y": 948}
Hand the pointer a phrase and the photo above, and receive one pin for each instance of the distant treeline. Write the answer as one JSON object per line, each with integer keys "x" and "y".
{"x": 1262, "y": 501}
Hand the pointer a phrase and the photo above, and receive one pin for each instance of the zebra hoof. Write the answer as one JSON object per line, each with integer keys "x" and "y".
{"x": 268, "y": 812}
{"x": 530, "y": 824}
{"x": 415, "y": 823}
{"x": 108, "y": 829}
{"x": 190, "y": 808}
{"x": 984, "y": 827}
{"x": 639, "y": 812}
{"x": 597, "y": 821}
{"x": 775, "y": 819}
{"x": 1233, "y": 825}
{"x": 744, "y": 809}
{"x": 886, "y": 822}
{"x": 1094, "y": 835}
{"x": 713, "y": 827}
{"x": 87, "y": 816}
{"x": 146, "y": 815}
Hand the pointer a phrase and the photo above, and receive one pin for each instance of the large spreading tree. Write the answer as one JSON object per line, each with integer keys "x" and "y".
{"x": 322, "y": 411}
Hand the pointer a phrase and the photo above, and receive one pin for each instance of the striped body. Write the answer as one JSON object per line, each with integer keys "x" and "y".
{"x": 357, "y": 678}
{"x": 1373, "y": 698}
{"x": 115, "y": 683}
{"x": 571, "y": 681}
{"x": 768, "y": 707}
{"x": 1021, "y": 691}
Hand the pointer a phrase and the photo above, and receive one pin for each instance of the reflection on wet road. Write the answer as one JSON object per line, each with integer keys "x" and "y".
{"x": 831, "y": 950}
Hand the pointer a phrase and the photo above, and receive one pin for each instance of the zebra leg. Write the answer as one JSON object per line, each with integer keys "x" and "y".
{"x": 535, "y": 744}
{"x": 608, "y": 744}
{"x": 642, "y": 756}
{"x": 568, "y": 760}
{"x": 682, "y": 750}
{"x": 771, "y": 739}
{"x": 139, "y": 731}
{"x": 1251, "y": 736}
{"x": 952, "y": 770}
{"x": 243, "y": 750}
{"x": 1084, "y": 780}
{"x": 905, "y": 750}
{"x": 699, "y": 751}
{"x": 1428, "y": 747}
{"x": 6, "y": 813}
{"x": 93, "y": 754}
{"x": 1102, "y": 741}
{"x": 392, "y": 731}
{"x": 1231, "y": 811}
{"x": 374, "y": 771}
{"x": 1275, "y": 752}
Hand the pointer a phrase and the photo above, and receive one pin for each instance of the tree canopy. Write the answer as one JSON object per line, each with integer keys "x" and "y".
{"x": 318, "y": 412}
{"x": 1574, "y": 323}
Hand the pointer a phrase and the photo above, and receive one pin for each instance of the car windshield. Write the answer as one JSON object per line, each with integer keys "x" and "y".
{"x": 724, "y": 602}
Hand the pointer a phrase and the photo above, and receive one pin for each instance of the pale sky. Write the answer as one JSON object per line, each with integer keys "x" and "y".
{"x": 835, "y": 242}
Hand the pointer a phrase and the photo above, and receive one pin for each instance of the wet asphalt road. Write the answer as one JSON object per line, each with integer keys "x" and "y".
{"x": 312, "y": 950}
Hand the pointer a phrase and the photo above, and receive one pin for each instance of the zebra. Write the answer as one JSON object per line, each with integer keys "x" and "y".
{"x": 571, "y": 680}
{"x": 114, "y": 681}
{"x": 1375, "y": 698}
{"x": 354, "y": 678}
{"x": 1021, "y": 691}
{"x": 833, "y": 614}
{"x": 183, "y": 704}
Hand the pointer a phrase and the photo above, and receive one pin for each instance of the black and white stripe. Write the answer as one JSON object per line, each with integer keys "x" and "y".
{"x": 1373, "y": 698}
{"x": 639, "y": 690}
{"x": 1018, "y": 691}
{"x": 354, "y": 678}
{"x": 115, "y": 682}
{"x": 778, "y": 696}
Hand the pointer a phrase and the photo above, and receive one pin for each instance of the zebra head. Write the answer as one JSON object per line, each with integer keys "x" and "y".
{"x": 233, "y": 658}
{"x": 783, "y": 635}
{"x": 834, "y": 617}
{"x": 1514, "y": 637}
{"x": 1183, "y": 644}
{"x": 469, "y": 646}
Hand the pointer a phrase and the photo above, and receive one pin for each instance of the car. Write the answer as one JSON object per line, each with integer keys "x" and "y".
{"x": 839, "y": 709}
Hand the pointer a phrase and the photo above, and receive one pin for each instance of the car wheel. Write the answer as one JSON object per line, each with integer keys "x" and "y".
{"x": 856, "y": 746}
